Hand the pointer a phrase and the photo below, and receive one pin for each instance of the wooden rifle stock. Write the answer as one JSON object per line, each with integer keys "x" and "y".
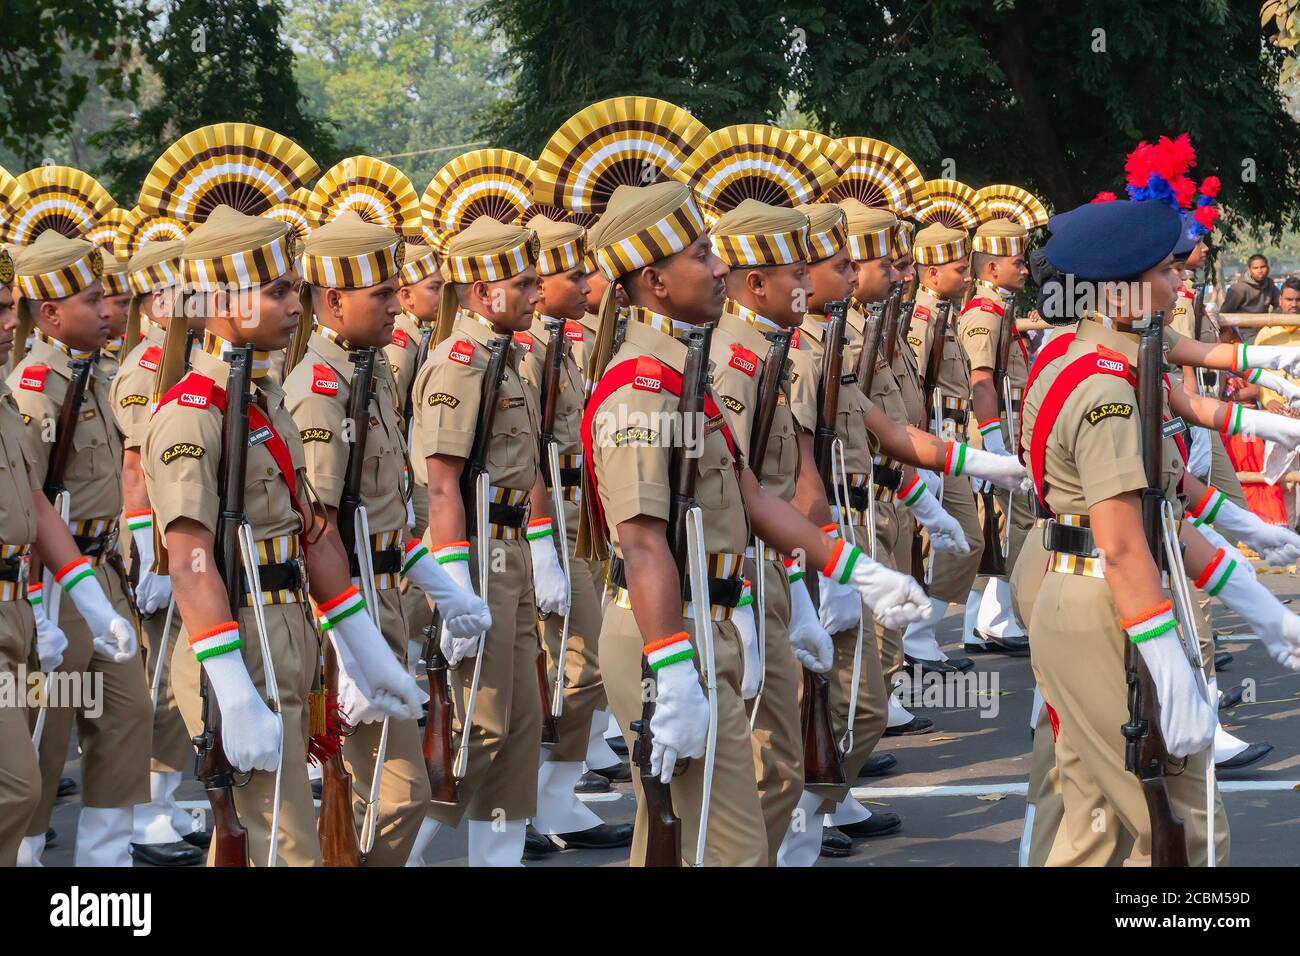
{"x": 873, "y": 334}
{"x": 476, "y": 463}
{"x": 439, "y": 752}
{"x": 229, "y": 838}
{"x": 1144, "y": 747}
{"x": 901, "y": 323}
{"x": 66, "y": 427}
{"x": 552, "y": 363}
{"x": 421, "y": 353}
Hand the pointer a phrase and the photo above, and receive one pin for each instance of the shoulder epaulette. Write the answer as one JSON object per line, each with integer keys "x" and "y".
{"x": 33, "y": 378}
{"x": 573, "y": 331}
{"x": 400, "y": 338}
{"x": 743, "y": 359}
{"x": 649, "y": 376}
{"x": 323, "y": 379}
{"x": 988, "y": 305}
{"x": 150, "y": 358}
{"x": 525, "y": 339}
{"x": 462, "y": 352}
{"x": 194, "y": 390}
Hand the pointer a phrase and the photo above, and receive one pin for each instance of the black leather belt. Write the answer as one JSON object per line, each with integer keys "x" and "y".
{"x": 957, "y": 416}
{"x": 11, "y": 568}
{"x": 383, "y": 561}
{"x": 96, "y": 546}
{"x": 723, "y": 592}
{"x": 507, "y": 516}
{"x": 570, "y": 477}
{"x": 859, "y": 500}
{"x": 888, "y": 478}
{"x": 1069, "y": 539}
{"x": 280, "y": 576}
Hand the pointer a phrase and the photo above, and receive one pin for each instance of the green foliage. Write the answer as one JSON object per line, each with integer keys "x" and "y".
{"x": 213, "y": 63}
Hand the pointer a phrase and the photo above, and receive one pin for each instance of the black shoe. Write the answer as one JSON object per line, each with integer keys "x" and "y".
{"x": 1231, "y": 697}
{"x": 835, "y": 843}
{"x": 1252, "y": 753}
{"x": 878, "y": 824}
{"x": 603, "y": 836}
{"x": 1014, "y": 645}
{"x": 537, "y": 845}
{"x": 962, "y": 664}
{"x": 179, "y": 853}
{"x": 878, "y": 765}
{"x": 1222, "y": 659}
{"x": 934, "y": 667}
{"x": 618, "y": 745}
{"x": 317, "y": 787}
{"x": 199, "y": 838}
{"x": 592, "y": 782}
{"x": 618, "y": 773}
{"x": 67, "y": 787}
{"x": 51, "y": 837}
{"x": 917, "y": 725}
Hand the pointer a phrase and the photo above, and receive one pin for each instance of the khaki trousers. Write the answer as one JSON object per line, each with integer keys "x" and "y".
{"x": 777, "y": 737}
{"x": 736, "y": 833}
{"x": 894, "y": 524}
{"x": 295, "y": 650}
{"x": 506, "y": 734}
{"x": 172, "y": 748}
{"x": 955, "y": 573}
{"x": 114, "y": 745}
{"x": 404, "y": 794}
{"x": 20, "y": 773}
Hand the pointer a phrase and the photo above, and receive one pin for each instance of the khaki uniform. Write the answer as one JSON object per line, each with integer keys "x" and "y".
{"x": 132, "y": 403}
{"x": 953, "y": 573}
{"x": 20, "y": 776}
{"x": 584, "y": 691}
{"x": 401, "y": 354}
{"x": 739, "y": 352}
{"x": 320, "y": 411}
{"x": 114, "y": 745}
{"x": 182, "y": 460}
{"x": 1078, "y": 644}
{"x": 631, "y": 463}
{"x": 501, "y": 778}
{"x": 859, "y": 449}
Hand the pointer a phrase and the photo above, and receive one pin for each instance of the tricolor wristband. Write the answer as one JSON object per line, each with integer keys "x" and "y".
{"x": 1216, "y": 573}
{"x": 215, "y": 641}
{"x": 1207, "y": 509}
{"x": 1239, "y": 361}
{"x": 992, "y": 425}
{"x": 913, "y": 492}
{"x": 1152, "y": 622}
{"x": 538, "y": 529}
{"x": 669, "y": 650}
{"x": 1255, "y": 376}
{"x": 452, "y": 552}
{"x": 338, "y": 609}
{"x": 1232, "y": 420}
{"x": 73, "y": 573}
{"x": 831, "y": 531}
{"x": 35, "y": 594}
{"x": 955, "y": 460}
{"x": 843, "y": 557}
{"x": 746, "y": 595}
{"x": 793, "y": 572}
{"x": 415, "y": 550}
{"x": 139, "y": 520}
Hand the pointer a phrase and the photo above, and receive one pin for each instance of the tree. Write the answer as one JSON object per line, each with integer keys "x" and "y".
{"x": 213, "y": 63}
{"x": 39, "y": 94}
{"x": 400, "y": 78}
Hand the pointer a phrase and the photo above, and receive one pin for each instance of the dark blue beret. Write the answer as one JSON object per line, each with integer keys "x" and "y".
{"x": 1186, "y": 241}
{"x": 1112, "y": 240}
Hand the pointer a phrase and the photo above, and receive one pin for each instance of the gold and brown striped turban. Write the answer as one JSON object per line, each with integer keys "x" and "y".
{"x": 350, "y": 253}
{"x": 869, "y": 230}
{"x": 643, "y": 224}
{"x": 230, "y": 250}
{"x": 155, "y": 267}
{"x": 489, "y": 250}
{"x": 756, "y": 234}
{"x": 418, "y": 263}
{"x": 563, "y": 245}
{"x": 54, "y": 266}
{"x": 827, "y": 231}
{"x": 937, "y": 245}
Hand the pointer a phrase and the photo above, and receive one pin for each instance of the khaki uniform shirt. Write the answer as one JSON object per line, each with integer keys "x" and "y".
{"x": 317, "y": 393}
{"x": 447, "y": 394}
{"x": 182, "y": 459}
{"x": 20, "y": 476}
{"x": 632, "y": 449}
{"x": 739, "y": 353}
{"x": 401, "y": 354}
{"x": 1095, "y": 449}
{"x": 590, "y": 325}
{"x": 132, "y": 390}
{"x": 569, "y": 402}
{"x": 954, "y": 372}
{"x": 94, "y": 472}
{"x": 979, "y": 330}
{"x": 110, "y": 357}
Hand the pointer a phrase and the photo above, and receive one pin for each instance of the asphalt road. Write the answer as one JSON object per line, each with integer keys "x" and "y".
{"x": 960, "y": 790}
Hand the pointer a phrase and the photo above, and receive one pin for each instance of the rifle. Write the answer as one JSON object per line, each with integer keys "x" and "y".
{"x": 229, "y": 838}
{"x": 993, "y": 559}
{"x": 1144, "y": 748}
{"x": 902, "y": 322}
{"x": 821, "y": 755}
{"x": 552, "y": 364}
{"x": 873, "y": 333}
{"x": 336, "y": 826}
{"x": 408, "y": 403}
{"x": 933, "y": 412}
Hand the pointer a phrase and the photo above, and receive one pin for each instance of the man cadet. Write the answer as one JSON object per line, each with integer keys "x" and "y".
{"x": 163, "y": 833}
{"x": 562, "y": 302}
{"x": 350, "y": 268}
{"x": 943, "y": 269}
{"x": 238, "y": 274}
{"x": 63, "y": 299}
{"x": 998, "y": 263}
{"x": 492, "y": 268}
{"x": 653, "y": 243}
{"x": 766, "y": 250}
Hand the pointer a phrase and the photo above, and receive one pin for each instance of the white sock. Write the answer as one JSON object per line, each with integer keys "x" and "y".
{"x": 802, "y": 843}
{"x": 599, "y": 756}
{"x": 152, "y": 822}
{"x": 103, "y": 836}
{"x": 496, "y": 844}
{"x": 970, "y": 613}
{"x": 558, "y": 808}
{"x": 919, "y": 641}
{"x": 30, "y": 850}
{"x": 1026, "y": 837}
{"x": 429, "y": 828}
{"x": 847, "y": 811}
{"x": 898, "y": 714}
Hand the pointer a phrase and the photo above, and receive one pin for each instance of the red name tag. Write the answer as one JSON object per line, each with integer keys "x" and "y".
{"x": 921, "y": 312}
{"x": 573, "y": 330}
{"x": 33, "y": 378}
{"x": 400, "y": 338}
{"x": 461, "y": 352}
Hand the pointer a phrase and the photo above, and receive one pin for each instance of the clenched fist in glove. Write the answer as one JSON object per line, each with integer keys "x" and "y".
{"x": 112, "y": 635}
{"x": 1005, "y": 471}
{"x": 1187, "y": 720}
{"x": 811, "y": 644}
{"x": 945, "y": 530}
{"x": 365, "y": 655}
{"x": 51, "y": 642}
{"x": 679, "y": 728}
{"x": 250, "y": 733}
{"x": 1226, "y": 578}
{"x": 153, "y": 591}
{"x": 445, "y": 579}
{"x": 743, "y": 617}
{"x": 894, "y": 598}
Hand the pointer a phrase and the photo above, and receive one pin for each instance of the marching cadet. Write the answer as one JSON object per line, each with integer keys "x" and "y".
{"x": 562, "y": 303}
{"x": 238, "y": 275}
{"x": 161, "y": 828}
{"x": 62, "y": 299}
{"x": 652, "y": 242}
{"x": 998, "y": 263}
{"x": 490, "y": 267}
{"x": 117, "y": 302}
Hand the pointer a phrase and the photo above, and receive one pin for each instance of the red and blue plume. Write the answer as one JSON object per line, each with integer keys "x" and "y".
{"x": 1158, "y": 171}
{"x": 1207, "y": 209}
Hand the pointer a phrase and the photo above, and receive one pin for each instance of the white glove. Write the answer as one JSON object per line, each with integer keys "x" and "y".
{"x": 1277, "y": 545}
{"x": 364, "y": 654}
{"x": 1187, "y": 722}
{"x": 894, "y": 598}
{"x": 945, "y": 531}
{"x": 1219, "y": 541}
{"x": 1005, "y": 471}
{"x": 550, "y": 587}
{"x": 464, "y": 615}
{"x": 1281, "y": 357}
{"x": 51, "y": 642}
{"x": 932, "y": 479}
{"x": 811, "y": 644}
{"x": 250, "y": 733}
{"x": 1266, "y": 426}
{"x": 456, "y": 647}
{"x": 679, "y": 728}
{"x": 111, "y": 635}
{"x": 747, "y": 628}
{"x": 357, "y": 710}
{"x": 840, "y": 605}
{"x": 1199, "y": 453}
{"x": 1278, "y": 628}
{"x": 993, "y": 442}
{"x": 152, "y": 590}
{"x": 1288, "y": 389}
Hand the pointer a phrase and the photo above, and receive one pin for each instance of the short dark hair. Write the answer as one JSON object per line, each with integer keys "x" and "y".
{"x": 1256, "y": 256}
{"x": 1292, "y": 283}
